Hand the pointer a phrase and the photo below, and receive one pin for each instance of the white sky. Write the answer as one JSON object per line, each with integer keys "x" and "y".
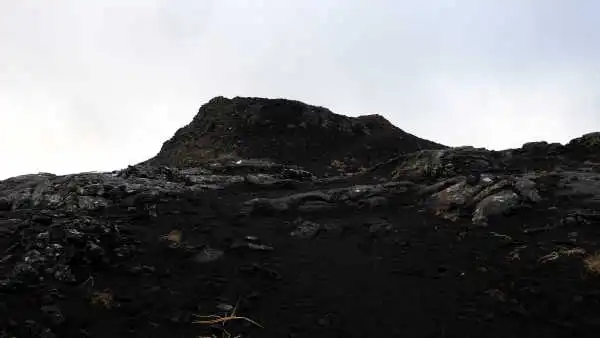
{"x": 97, "y": 85}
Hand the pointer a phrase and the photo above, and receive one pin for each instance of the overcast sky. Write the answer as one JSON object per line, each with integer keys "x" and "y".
{"x": 97, "y": 85}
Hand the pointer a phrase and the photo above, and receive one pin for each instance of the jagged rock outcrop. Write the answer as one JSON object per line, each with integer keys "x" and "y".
{"x": 459, "y": 241}
{"x": 141, "y": 183}
{"x": 586, "y": 147}
{"x": 486, "y": 197}
{"x": 288, "y": 132}
{"x": 445, "y": 163}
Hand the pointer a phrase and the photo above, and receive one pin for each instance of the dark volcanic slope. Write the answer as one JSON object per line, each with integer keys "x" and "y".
{"x": 289, "y": 132}
{"x": 453, "y": 242}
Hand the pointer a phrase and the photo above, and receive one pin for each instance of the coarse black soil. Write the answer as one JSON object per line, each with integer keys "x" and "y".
{"x": 398, "y": 272}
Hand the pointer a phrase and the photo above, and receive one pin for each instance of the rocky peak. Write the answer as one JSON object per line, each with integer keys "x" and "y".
{"x": 289, "y": 132}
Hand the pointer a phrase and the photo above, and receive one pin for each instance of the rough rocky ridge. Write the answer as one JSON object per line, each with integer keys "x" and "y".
{"x": 397, "y": 241}
{"x": 288, "y": 132}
